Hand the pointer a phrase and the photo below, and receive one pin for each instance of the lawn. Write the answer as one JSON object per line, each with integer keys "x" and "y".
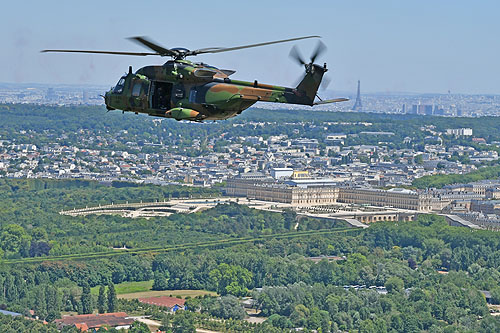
{"x": 173, "y": 293}
{"x": 128, "y": 287}
{"x": 130, "y": 290}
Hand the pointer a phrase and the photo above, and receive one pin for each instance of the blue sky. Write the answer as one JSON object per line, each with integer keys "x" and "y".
{"x": 391, "y": 46}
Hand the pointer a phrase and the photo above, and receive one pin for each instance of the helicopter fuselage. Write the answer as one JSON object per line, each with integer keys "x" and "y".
{"x": 184, "y": 90}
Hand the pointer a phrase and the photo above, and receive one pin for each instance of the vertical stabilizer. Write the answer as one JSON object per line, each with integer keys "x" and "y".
{"x": 309, "y": 85}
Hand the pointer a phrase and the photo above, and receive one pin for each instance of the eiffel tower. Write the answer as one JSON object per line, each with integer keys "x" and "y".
{"x": 357, "y": 105}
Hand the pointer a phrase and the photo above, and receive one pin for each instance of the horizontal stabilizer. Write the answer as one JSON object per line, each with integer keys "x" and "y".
{"x": 328, "y": 101}
{"x": 228, "y": 72}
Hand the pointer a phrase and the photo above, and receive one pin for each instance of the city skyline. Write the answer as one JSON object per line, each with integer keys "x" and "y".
{"x": 391, "y": 47}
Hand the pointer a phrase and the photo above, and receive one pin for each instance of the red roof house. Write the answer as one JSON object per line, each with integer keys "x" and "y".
{"x": 173, "y": 303}
{"x": 89, "y": 321}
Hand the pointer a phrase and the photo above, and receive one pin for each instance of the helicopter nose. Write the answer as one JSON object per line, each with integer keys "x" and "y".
{"x": 106, "y": 101}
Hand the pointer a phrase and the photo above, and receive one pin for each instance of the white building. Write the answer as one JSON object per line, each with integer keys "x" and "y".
{"x": 459, "y": 131}
{"x": 279, "y": 173}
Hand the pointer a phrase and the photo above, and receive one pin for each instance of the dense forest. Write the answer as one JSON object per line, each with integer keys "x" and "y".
{"x": 406, "y": 258}
{"x": 31, "y": 226}
{"x": 30, "y": 223}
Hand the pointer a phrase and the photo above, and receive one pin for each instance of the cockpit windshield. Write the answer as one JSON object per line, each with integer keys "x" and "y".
{"x": 119, "y": 86}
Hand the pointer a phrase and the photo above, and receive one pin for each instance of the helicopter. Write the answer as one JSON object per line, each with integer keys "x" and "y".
{"x": 195, "y": 91}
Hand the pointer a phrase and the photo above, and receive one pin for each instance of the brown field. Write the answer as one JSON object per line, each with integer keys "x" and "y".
{"x": 173, "y": 293}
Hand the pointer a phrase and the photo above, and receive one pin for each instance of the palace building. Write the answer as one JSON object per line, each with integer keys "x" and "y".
{"x": 318, "y": 192}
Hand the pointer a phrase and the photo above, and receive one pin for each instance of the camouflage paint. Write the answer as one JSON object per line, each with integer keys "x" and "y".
{"x": 202, "y": 92}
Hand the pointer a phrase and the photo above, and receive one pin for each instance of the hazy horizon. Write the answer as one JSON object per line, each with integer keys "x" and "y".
{"x": 321, "y": 92}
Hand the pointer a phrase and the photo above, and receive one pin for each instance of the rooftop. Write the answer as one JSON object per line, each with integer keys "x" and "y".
{"x": 402, "y": 190}
{"x": 96, "y": 320}
{"x": 313, "y": 182}
{"x": 166, "y": 301}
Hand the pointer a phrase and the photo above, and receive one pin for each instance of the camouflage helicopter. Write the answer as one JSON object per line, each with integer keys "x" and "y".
{"x": 186, "y": 90}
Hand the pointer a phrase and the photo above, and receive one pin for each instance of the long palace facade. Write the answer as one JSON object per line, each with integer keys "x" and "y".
{"x": 316, "y": 192}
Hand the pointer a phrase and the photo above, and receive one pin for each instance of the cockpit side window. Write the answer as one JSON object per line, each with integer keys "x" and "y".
{"x": 136, "y": 90}
{"x": 119, "y": 86}
{"x": 192, "y": 95}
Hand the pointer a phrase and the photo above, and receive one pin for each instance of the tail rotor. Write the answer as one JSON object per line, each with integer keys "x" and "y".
{"x": 320, "y": 49}
{"x": 308, "y": 86}
{"x": 297, "y": 56}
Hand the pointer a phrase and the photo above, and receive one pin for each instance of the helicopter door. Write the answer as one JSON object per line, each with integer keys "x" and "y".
{"x": 161, "y": 95}
{"x": 138, "y": 99}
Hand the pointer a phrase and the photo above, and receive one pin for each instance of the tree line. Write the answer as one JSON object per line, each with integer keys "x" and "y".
{"x": 405, "y": 258}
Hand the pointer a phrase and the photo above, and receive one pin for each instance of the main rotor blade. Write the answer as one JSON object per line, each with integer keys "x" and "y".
{"x": 103, "y": 52}
{"x": 153, "y": 46}
{"x": 217, "y": 50}
{"x": 320, "y": 48}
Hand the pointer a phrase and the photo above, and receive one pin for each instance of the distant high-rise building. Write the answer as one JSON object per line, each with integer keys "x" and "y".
{"x": 85, "y": 97}
{"x": 428, "y": 110}
{"x": 435, "y": 111}
{"x": 422, "y": 109}
{"x": 357, "y": 105}
{"x": 439, "y": 111}
{"x": 51, "y": 95}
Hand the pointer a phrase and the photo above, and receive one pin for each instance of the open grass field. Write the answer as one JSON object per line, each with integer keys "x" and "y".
{"x": 131, "y": 290}
{"x": 128, "y": 287}
{"x": 173, "y": 293}
{"x": 133, "y": 287}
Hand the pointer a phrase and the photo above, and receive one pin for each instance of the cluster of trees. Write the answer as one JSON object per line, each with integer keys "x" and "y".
{"x": 106, "y": 301}
{"x": 31, "y": 226}
{"x": 21, "y": 292}
{"x": 220, "y": 314}
{"x": 16, "y": 241}
{"x": 18, "y": 324}
{"x": 397, "y": 249}
{"x": 404, "y": 257}
{"x": 225, "y": 307}
{"x": 27, "y": 289}
{"x": 331, "y": 308}
{"x": 439, "y": 181}
{"x": 239, "y": 220}
{"x": 37, "y": 229}
{"x": 430, "y": 242}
